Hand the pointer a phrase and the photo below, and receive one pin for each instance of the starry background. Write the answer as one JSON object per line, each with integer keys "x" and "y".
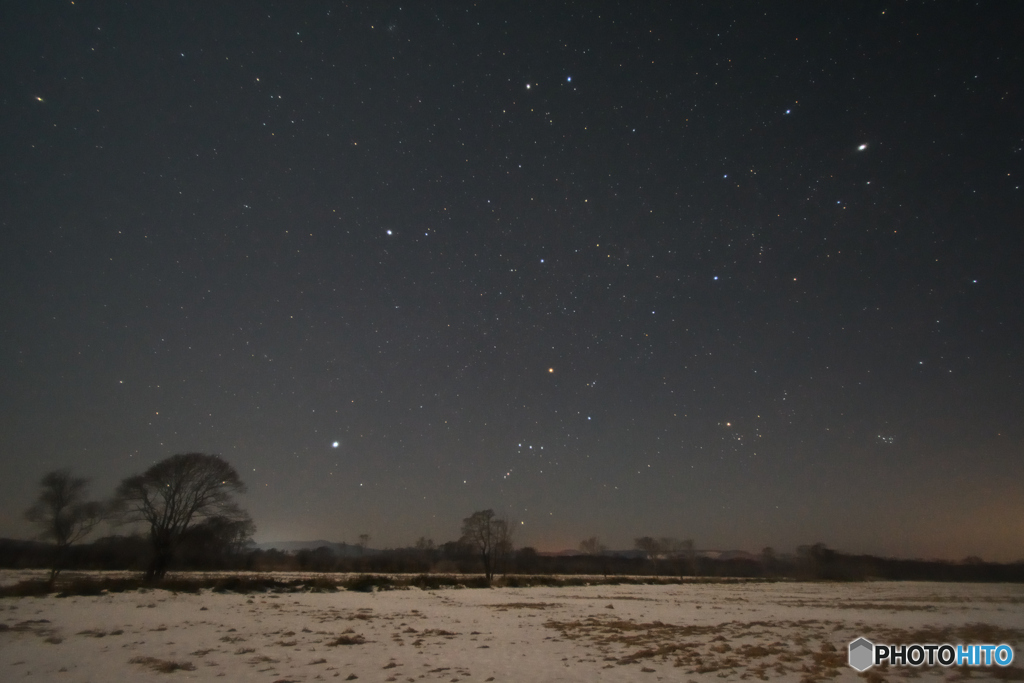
{"x": 748, "y": 274}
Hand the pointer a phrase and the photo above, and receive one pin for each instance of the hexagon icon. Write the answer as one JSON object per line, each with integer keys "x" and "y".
{"x": 862, "y": 654}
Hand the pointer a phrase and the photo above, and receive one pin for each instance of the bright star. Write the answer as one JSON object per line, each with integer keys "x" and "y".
{"x": 389, "y": 232}
{"x": 335, "y": 444}
{"x": 862, "y": 147}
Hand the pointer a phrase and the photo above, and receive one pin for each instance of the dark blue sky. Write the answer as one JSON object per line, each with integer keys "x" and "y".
{"x": 747, "y": 274}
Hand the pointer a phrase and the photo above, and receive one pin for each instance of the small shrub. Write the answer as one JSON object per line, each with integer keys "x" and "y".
{"x": 25, "y": 589}
{"x": 321, "y": 584}
{"x": 368, "y": 583}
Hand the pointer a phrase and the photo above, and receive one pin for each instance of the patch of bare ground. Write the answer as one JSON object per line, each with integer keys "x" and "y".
{"x": 99, "y": 633}
{"x": 164, "y": 666}
{"x": 748, "y": 649}
{"x": 39, "y": 627}
{"x": 968, "y": 633}
{"x": 892, "y": 606}
{"x": 957, "y": 599}
{"x": 437, "y": 632}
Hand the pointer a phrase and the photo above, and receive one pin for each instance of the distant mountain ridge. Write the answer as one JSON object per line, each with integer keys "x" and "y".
{"x": 712, "y": 554}
{"x": 339, "y": 549}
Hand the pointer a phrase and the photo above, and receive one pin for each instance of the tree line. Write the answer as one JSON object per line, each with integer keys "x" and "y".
{"x": 192, "y": 522}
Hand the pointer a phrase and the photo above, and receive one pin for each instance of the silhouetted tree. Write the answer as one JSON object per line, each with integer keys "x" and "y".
{"x": 769, "y": 561}
{"x": 594, "y": 549}
{"x": 489, "y": 537}
{"x": 321, "y": 559}
{"x": 216, "y": 542}
{"x": 650, "y": 546}
{"x": 173, "y": 495}
{"x": 681, "y": 551}
{"x": 63, "y": 514}
{"x": 425, "y": 549}
{"x": 364, "y": 540}
{"x": 816, "y": 561}
{"x": 505, "y": 546}
{"x": 668, "y": 547}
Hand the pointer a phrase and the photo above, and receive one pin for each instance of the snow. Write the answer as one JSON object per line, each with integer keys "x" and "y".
{"x": 714, "y": 631}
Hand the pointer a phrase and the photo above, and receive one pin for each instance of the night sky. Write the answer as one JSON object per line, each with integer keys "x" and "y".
{"x": 748, "y": 274}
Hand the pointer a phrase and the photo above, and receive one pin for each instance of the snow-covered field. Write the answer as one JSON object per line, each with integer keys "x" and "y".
{"x": 698, "y": 632}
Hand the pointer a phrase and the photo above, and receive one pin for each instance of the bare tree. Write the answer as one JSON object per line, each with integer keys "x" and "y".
{"x": 505, "y": 545}
{"x": 364, "y": 540}
{"x": 175, "y": 494}
{"x": 592, "y": 546}
{"x": 490, "y": 538}
{"x": 63, "y": 514}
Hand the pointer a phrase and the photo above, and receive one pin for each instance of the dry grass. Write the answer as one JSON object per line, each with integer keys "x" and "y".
{"x": 345, "y": 639}
{"x": 164, "y": 666}
{"x": 438, "y": 632}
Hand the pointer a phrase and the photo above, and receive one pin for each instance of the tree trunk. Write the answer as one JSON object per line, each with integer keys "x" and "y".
{"x": 157, "y": 568}
{"x": 58, "y": 563}
{"x": 163, "y": 553}
{"x": 488, "y": 572}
